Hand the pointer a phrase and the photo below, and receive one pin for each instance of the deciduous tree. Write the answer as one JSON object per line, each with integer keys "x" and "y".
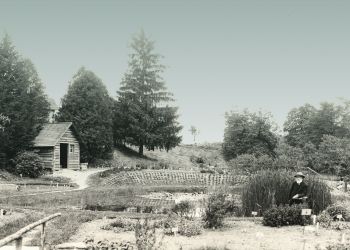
{"x": 249, "y": 133}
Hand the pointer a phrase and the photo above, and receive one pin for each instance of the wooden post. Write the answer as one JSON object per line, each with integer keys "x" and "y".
{"x": 345, "y": 185}
{"x": 342, "y": 240}
{"x": 19, "y": 243}
{"x": 43, "y": 235}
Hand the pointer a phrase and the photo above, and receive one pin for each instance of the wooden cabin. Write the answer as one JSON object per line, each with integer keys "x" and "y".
{"x": 58, "y": 146}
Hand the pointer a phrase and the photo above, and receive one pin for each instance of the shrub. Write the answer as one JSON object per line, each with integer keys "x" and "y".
{"x": 190, "y": 228}
{"x": 105, "y": 244}
{"x": 249, "y": 163}
{"x": 164, "y": 165}
{"x": 28, "y": 164}
{"x": 169, "y": 223}
{"x": 182, "y": 208}
{"x": 145, "y": 235}
{"x": 340, "y": 225}
{"x": 215, "y": 211}
{"x": 207, "y": 171}
{"x": 324, "y": 219}
{"x": 148, "y": 209}
{"x": 268, "y": 188}
{"x": 285, "y": 216}
{"x": 197, "y": 159}
{"x": 334, "y": 210}
{"x": 120, "y": 225}
{"x": 336, "y": 246}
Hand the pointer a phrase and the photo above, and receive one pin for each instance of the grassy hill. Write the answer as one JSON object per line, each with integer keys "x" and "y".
{"x": 183, "y": 157}
{"x": 184, "y": 165}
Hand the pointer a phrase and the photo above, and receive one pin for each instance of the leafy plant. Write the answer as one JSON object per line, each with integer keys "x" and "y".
{"x": 324, "y": 219}
{"x": 145, "y": 234}
{"x": 216, "y": 210}
{"x": 182, "y": 208}
{"x": 285, "y": 216}
{"x": 28, "y": 164}
{"x": 337, "y": 209}
{"x": 120, "y": 225}
{"x": 190, "y": 227}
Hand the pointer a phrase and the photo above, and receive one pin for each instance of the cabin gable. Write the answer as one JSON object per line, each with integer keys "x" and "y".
{"x": 58, "y": 146}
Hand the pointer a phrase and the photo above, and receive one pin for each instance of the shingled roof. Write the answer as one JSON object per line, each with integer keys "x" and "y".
{"x": 51, "y": 133}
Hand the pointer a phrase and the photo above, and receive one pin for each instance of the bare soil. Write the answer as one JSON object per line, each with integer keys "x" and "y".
{"x": 239, "y": 235}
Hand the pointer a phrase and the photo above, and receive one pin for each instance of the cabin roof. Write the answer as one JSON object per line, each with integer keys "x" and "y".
{"x": 51, "y": 133}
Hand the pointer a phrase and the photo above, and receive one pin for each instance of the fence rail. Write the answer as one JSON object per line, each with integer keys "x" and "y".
{"x": 18, "y": 236}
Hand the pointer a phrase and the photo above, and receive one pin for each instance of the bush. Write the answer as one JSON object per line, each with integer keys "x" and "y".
{"x": 216, "y": 210}
{"x": 197, "y": 159}
{"x": 285, "y": 216}
{"x": 169, "y": 223}
{"x": 324, "y": 219}
{"x": 334, "y": 210}
{"x": 336, "y": 246}
{"x": 190, "y": 228}
{"x": 28, "y": 164}
{"x": 105, "y": 244}
{"x": 120, "y": 225}
{"x": 145, "y": 234}
{"x": 249, "y": 163}
{"x": 182, "y": 208}
{"x": 207, "y": 171}
{"x": 268, "y": 188}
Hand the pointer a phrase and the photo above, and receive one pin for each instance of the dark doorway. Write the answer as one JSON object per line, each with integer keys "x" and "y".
{"x": 64, "y": 155}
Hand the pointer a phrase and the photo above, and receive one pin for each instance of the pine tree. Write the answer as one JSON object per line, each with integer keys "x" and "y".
{"x": 88, "y": 105}
{"x": 141, "y": 117}
{"x": 23, "y": 103}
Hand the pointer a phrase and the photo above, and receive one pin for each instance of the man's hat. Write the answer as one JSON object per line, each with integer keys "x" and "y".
{"x": 299, "y": 174}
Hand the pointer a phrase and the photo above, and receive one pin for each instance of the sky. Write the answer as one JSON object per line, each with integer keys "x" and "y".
{"x": 271, "y": 55}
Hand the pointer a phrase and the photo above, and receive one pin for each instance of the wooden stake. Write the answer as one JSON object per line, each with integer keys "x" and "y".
{"x": 19, "y": 243}
{"x": 43, "y": 235}
{"x": 345, "y": 185}
{"x": 342, "y": 241}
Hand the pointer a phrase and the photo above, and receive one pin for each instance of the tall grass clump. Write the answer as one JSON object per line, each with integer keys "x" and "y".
{"x": 271, "y": 188}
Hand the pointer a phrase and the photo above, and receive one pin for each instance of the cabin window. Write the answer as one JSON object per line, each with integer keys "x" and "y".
{"x": 71, "y": 148}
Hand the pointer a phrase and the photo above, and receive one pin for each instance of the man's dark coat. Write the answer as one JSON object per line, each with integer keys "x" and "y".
{"x": 300, "y": 190}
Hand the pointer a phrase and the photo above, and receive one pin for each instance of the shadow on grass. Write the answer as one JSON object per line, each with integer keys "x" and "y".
{"x": 129, "y": 152}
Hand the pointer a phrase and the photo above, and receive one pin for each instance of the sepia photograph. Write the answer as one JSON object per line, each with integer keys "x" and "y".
{"x": 174, "y": 124}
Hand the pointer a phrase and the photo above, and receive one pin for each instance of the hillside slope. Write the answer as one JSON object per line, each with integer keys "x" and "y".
{"x": 184, "y": 157}
{"x": 185, "y": 164}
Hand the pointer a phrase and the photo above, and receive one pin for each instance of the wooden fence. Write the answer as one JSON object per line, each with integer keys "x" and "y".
{"x": 18, "y": 236}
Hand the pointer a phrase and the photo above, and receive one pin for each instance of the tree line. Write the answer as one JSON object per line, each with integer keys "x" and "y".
{"x": 141, "y": 115}
{"x": 314, "y": 137}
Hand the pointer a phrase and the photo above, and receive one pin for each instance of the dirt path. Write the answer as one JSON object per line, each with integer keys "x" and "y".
{"x": 79, "y": 177}
{"x": 241, "y": 235}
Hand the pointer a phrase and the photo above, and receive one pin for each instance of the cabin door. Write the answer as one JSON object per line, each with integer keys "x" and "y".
{"x": 64, "y": 155}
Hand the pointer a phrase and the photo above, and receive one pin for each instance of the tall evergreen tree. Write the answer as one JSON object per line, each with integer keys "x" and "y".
{"x": 88, "y": 105}
{"x": 22, "y": 101}
{"x": 141, "y": 117}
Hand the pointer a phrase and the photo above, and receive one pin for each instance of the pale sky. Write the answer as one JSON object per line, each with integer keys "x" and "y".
{"x": 221, "y": 55}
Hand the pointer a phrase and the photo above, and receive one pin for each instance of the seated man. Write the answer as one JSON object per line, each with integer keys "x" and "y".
{"x": 298, "y": 191}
